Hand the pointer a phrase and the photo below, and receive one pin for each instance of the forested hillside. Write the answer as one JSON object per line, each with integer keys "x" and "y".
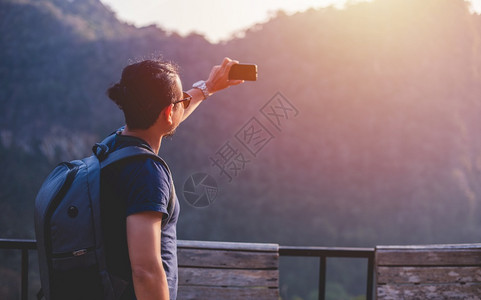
{"x": 383, "y": 149}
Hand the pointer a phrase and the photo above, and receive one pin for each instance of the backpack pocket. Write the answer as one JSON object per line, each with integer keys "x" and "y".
{"x": 74, "y": 260}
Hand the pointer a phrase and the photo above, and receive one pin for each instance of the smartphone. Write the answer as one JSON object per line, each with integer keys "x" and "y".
{"x": 243, "y": 72}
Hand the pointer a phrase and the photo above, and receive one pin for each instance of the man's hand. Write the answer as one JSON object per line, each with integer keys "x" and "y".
{"x": 218, "y": 80}
{"x": 219, "y": 76}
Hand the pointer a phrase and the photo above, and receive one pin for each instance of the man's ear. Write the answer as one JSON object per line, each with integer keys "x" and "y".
{"x": 167, "y": 113}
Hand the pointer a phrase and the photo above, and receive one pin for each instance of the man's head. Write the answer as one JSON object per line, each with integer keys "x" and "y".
{"x": 144, "y": 90}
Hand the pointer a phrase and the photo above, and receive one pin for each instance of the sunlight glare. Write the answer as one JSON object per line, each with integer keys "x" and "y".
{"x": 217, "y": 20}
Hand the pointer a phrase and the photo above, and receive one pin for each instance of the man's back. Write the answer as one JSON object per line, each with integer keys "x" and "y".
{"x": 128, "y": 187}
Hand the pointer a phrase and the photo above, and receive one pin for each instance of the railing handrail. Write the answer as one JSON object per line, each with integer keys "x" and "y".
{"x": 31, "y": 244}
{"x": 18, "y": 244}
{"x": 24, "y": 245}
{"x": 306, "y": 251}
{"x": 326, "y": 251}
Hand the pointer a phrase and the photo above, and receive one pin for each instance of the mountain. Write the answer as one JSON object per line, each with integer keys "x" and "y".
{"x": 369, "y": 115}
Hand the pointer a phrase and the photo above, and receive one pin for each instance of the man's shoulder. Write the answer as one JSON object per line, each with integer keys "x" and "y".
{"x": 151, "y": 163}
{"x": 141, "y": 166}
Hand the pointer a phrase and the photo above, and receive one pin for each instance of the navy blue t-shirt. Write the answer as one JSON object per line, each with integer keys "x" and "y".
{"x": 131, "y": 186}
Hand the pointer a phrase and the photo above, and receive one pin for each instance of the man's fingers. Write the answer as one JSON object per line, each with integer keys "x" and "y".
{"x": 226, "y": 61}
{"x": 231, "y": 63}
{"x": 219, "y": 76}
{"x": 235, "y": 82}
{"x": 216, "y": 68}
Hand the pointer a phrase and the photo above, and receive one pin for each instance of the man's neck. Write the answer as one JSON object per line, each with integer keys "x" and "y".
{"x": 148, "y": 135}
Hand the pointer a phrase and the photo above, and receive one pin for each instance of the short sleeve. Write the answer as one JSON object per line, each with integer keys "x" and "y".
{"x": 148, "y": 187}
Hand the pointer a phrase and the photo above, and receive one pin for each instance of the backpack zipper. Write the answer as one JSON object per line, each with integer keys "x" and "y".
{"x": 75, "y": 253}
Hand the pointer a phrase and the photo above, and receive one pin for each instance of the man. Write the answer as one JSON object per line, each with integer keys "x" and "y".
{"x": 139, "y": 230}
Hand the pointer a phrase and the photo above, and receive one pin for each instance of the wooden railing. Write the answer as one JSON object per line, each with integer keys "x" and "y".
{"x": 429, "y": 272}
{"x": 223, "y": 270}
{"x": 402, "y": 272}
{"x": 258, "y": 271}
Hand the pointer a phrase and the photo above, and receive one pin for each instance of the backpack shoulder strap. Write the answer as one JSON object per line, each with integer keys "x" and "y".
{"x": 93, "y": 177}
{"x": 135, "y": 151}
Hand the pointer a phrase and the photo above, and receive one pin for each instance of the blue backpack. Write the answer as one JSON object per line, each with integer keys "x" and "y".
{"x": 68, "y": 227}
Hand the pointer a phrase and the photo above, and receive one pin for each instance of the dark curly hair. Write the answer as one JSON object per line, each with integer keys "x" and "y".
{"x": 144, "y": 90}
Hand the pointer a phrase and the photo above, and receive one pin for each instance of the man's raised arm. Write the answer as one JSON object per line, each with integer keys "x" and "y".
{"x": 218, "y": 80}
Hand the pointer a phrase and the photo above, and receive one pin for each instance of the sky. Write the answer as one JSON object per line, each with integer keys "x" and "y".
{"x": 217, "y": 20}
